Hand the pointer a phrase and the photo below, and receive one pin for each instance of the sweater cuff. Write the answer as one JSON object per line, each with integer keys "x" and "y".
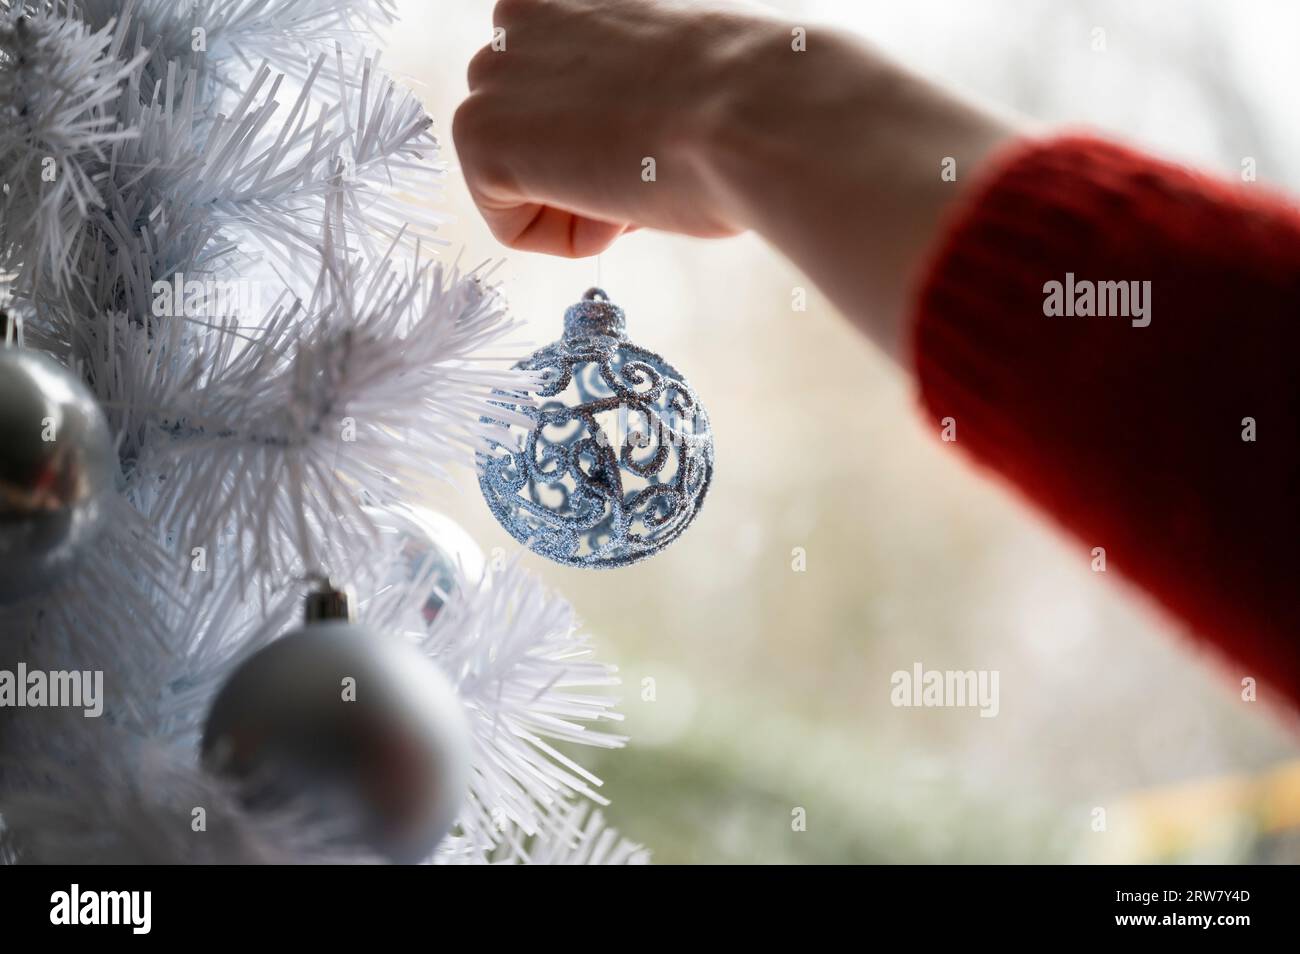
{"x": 1099, "y": 325}
{"x": 986, "y": 352}
{"x": 1042, "y": 209}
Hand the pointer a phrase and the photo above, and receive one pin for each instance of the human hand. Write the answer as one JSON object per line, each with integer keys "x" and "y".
{"x": 556, "y": 133}
{"x": 829, "y": 150}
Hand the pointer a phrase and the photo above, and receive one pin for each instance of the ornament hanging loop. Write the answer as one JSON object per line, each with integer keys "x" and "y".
{"x": 11, "y": 329}
{"x": 327, "y": 601}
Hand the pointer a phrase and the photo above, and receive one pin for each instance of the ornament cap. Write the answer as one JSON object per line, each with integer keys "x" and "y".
{"x": 594, "y": 315}
{"x": 328, "y": 602}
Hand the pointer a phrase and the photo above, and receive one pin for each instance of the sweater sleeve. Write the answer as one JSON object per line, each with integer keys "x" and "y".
{"x": 1171, "y": 439}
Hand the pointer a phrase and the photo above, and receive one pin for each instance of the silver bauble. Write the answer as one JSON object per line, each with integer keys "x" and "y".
{"x": 358, "y": 732}
{"x": 431, "y": 549}
{"x": 57, "y": 469}
{"x": 619, "y": 455}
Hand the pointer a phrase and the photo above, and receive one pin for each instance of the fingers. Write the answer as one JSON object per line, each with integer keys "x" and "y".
{"x": 508, "y": 13}
{"x": 530, "y": 227}
{"x": 532, "y": 184}
{"x": 506, "y": 16}
{"x": 481, "y": 65}
{"x": 519, "y": 218}
{"x": 505, "y": 12}
{"x": 500, "y": 13}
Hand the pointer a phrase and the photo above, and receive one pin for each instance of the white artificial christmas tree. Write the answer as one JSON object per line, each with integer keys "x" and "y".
{"x": 212, "y": 218}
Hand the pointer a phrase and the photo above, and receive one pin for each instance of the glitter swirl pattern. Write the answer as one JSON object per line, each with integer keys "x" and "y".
{"x": 619, "y": 455}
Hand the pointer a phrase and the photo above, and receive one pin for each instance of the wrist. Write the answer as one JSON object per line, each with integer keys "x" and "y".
{"x": 745, "y": 139}
{"x": 835, "y": 155}
{"x": 718, "y": 59}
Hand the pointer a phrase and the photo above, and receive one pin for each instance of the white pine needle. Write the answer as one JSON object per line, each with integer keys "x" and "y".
{"x": 207, "y": 212}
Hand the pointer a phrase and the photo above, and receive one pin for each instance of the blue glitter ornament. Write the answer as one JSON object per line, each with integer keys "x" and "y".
{"x": 619, "y": 455}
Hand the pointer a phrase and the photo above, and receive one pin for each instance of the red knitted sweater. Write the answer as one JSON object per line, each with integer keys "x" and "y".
{"x": 1132, "y": 435}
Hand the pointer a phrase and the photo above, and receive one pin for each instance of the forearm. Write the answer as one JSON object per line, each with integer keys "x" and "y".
{"x": 835, "y": 156}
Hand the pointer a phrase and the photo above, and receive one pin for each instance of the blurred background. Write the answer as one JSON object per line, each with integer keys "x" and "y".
{"x": 771, "y": 687}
